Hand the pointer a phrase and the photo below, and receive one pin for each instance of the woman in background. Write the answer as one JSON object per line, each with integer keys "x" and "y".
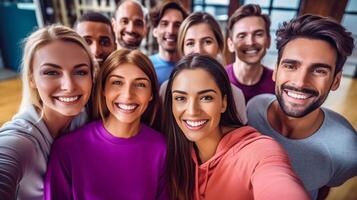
{"x": 200, "y": 33}
{"x": 118, "y": 156}
{"x": 210, "y": 154}
{"x": 57, "y": 72}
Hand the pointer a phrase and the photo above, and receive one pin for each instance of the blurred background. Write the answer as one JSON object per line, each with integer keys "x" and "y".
{"x": 18, "y": 18}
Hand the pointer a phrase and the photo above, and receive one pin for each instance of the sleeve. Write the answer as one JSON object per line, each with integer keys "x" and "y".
{"x": 16, "y": 153}
{"x": 273, "y": 177}
{"x": 58, "y": 180}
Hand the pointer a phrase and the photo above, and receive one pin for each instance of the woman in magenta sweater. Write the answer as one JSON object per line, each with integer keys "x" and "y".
{"x": 210, "y": 154}
{"x": 119, "y": 156}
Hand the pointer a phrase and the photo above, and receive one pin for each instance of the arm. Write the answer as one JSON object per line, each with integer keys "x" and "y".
{"x": 58, "y": 180}
{"x": 273, "y": 177}
{"x": 16, "y": 153}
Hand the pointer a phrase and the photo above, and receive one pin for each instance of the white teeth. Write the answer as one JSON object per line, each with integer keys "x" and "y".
{"x": 99, "y": 59}
{"x": 296, "y": 96}
{"x": 127, "y": 107}
{"x": 170, "y": 40}
{"x": 68, "y": 99}
{"x": 196, "y": 123}
{"x": 251, "y": 51}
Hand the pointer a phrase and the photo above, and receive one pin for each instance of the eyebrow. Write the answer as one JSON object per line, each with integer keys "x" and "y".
{"x": 314, "y": 65}
{"x": 59, "y": 67}
{"x": 122, "y": 77}
{"x": 200, "y": 92}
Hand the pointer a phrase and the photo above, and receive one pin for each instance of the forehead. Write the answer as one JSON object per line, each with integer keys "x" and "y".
{"x": 71, "y": 54}
{"x": 88, "y": 28}
{"x": 310, "y": 51}
{"x": 172, "y": 14}
{"x": 194, "y": 80}
{"x": 249, "y": 24}
{"x": 130, "y": 10}
{"x": 199, "y": 31}
{"x": 128, "y": 71}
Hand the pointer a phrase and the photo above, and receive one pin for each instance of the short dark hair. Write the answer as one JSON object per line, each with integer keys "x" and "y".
{"x": 320, "y": 28}
{"x": 248, "y": 10}
{"x": 158, "y": 11}
{"x": 94, "y": 17}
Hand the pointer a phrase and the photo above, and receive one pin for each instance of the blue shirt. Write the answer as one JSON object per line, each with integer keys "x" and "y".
{"x": 162, "y": 67}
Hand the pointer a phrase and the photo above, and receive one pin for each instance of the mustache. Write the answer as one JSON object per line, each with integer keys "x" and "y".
{"x": 302, "y": 90}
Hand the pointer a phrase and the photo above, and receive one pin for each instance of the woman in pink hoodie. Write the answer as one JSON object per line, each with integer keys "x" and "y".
{"x": 210, "y": 154}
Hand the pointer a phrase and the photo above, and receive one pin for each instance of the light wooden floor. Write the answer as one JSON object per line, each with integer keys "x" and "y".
{"x": 343, "y": 101}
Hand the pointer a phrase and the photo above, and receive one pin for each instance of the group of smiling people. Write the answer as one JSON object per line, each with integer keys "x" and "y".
{"x": 100, "y": 123}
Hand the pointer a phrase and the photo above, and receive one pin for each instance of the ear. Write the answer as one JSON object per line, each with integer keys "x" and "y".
{"x": 154, "y": 32}
{"x": 114, "y": 25}
{"x": 230, "y": 45}
{"x": 224, "y": 104}
{"x": 275, "y": 73}
{"x": 336, "y": 81}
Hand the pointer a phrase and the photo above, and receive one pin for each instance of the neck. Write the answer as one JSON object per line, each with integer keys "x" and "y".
{"x": 120, "y": 129}
{"x": 206, "y": 148}
{"x": 170, "y": 56}
{"x": 294, "y": 128}
{"x": 247, "y": 74}
{"x": 56, "y": 123}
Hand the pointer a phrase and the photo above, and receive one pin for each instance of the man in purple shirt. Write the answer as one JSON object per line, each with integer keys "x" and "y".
{"x": 249, "y": 38}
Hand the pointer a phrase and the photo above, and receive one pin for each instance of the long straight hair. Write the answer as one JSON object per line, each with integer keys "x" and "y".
{"x": 181, "y": 169}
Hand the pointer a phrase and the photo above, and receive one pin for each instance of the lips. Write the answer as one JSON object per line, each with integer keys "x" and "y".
{"x": 195, "y": 124}
{"x": 299, "y": 93}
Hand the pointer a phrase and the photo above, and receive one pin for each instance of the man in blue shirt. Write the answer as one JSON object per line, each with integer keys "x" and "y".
{"x": 166, "y": 19}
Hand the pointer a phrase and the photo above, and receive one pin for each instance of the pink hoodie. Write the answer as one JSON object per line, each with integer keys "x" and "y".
{"x": 247, "y": 166}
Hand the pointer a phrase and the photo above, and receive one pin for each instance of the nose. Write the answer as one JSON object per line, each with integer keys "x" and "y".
{"x": 301, "y": 78}
{"x": 127, "y": 91}
{"x": 171, "y": 29}
{"x": 193, "y": 107}
{"x": 249, "y": 39}
{"x": 95, "y": 49}
{"x": 67, "y": 82}
{"x": 198, "y": 49}
{"x": 130, "y": 27}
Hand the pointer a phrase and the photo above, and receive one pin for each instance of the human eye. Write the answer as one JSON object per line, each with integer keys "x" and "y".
{"x": 320, "y": 71}
{"x": 141, "y": 85}
{"x": 81, "y": 72}
{"x": 189, "y": 43}
{"x": 241, "y": 36}
{"x": 179, "y": 98}
{"x": 163, "y": 23}
{"x": 139, "y": 23}
{"x": 259, "y": 34}
{"x": 105, "y": 41}
{"x": 117, "y": 82}
{"x": 124, "y": 21}
{"x": 289, "y": 66}
{"x": 89, "y": 41}
{"x": 208, "y": 41}
{"x": 177, "y": 25}
{"x": 50, "y": 73}
{"x": 206, "y": 98}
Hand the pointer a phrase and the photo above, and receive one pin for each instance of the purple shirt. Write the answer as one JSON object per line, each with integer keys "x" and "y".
{"x": 264, "y": 85}
{"x": 90, "y": 163}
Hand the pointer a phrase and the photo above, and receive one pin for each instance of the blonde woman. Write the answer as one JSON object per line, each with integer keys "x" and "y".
{"x": 118, "y": 156}
{"x": 57, "y": 76}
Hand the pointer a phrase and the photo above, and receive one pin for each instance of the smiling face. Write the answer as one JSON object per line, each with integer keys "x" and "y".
{"x": 127, "y": 93}
{"x": 197, "y": 104}
{"x": 305, "y": 76}
{"x": 249, "y": 40}
{"x": 63, "y": 80}
{"x": 99, "y": 37}
{"x": 166, "y": 31}
{"x": 200, "y": 39}
{"x": 129, "y": 25}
